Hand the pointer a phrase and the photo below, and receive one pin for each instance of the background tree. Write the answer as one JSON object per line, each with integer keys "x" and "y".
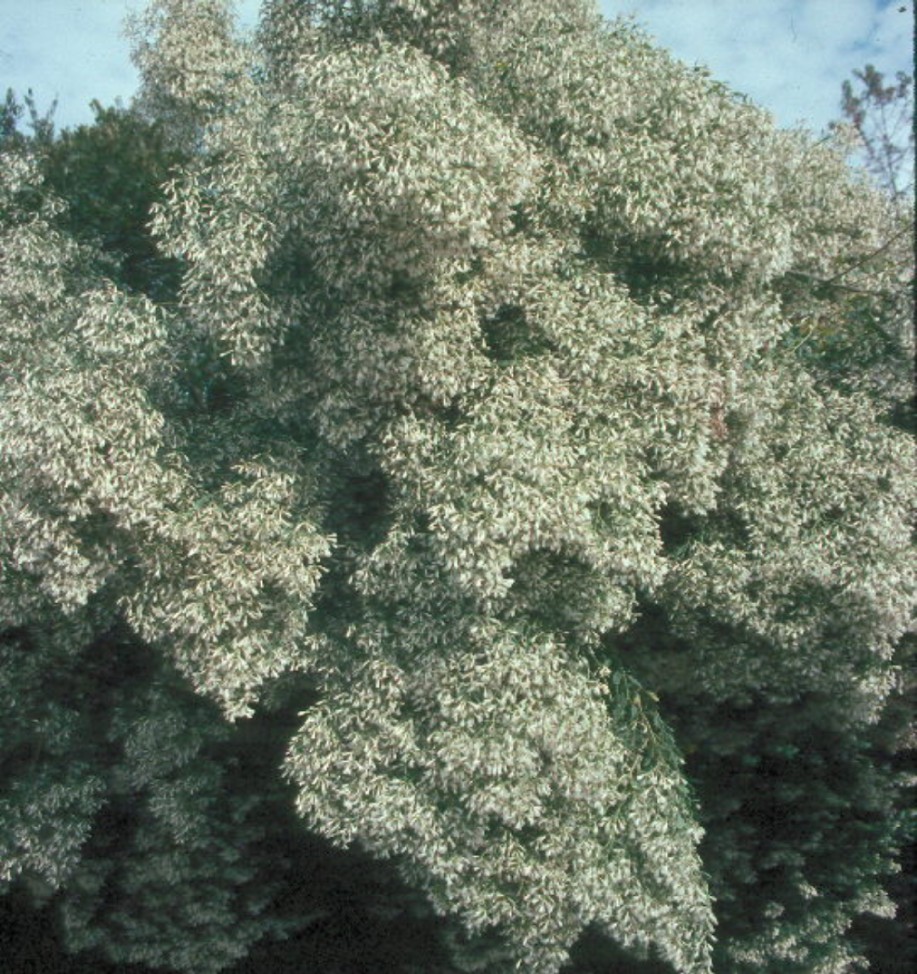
{"x": 9, "y": 119}
{"x": 472, "y": 468}
{"x": 11, "y": 114}
{"x": 864, "y": 333}
{"x": 881, "y": 118}
{"x": 109, "y": 173}
{"x": 882, "y": 115}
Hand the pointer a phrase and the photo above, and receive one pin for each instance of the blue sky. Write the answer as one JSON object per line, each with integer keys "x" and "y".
{"x": 788, "y": 55}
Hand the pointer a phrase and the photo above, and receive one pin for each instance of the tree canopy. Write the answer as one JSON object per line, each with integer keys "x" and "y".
{"x": 479, "y": 454}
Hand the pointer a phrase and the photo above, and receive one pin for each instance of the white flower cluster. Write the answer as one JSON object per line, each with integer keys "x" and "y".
{"x": 542, "y": 282}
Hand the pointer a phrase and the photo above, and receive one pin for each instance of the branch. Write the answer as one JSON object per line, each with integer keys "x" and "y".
{"x": 841, "y": 287}
{"x": 858, "y": 263}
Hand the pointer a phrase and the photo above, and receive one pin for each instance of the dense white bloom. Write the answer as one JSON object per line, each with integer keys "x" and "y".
{"x": 486, "y": 341}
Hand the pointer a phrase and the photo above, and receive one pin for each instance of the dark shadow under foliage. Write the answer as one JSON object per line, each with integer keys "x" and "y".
{"x": 366, "y": 926}
{"x": 355, "y": 915}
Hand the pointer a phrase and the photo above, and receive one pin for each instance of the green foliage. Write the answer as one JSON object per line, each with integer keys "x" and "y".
{"x": 11, "y": 113}
{"x": 110, "y": 174}
{"x": 9, "y": 120}
{"x": 466, "y": 410}
{"x": 802, "y": 822}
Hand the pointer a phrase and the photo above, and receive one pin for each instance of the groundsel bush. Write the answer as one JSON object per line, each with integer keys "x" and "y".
{"x": 491, "y": 416}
